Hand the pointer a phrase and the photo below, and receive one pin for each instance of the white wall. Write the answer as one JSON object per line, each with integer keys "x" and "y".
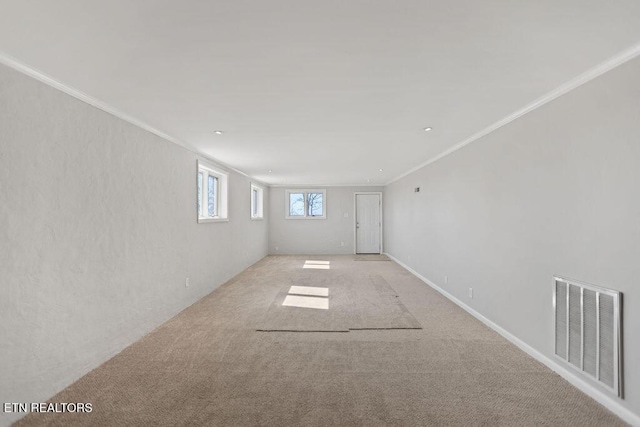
{"x": 554, "y": 192}
{"x": 315, "y": 236}
{"x": 97, "y": 235}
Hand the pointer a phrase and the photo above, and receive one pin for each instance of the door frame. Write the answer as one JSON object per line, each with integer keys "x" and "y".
{"x": 355, "y": 220}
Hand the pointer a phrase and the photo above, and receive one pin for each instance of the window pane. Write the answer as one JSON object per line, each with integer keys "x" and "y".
{"x": 211, "y": 197}
{"x": 314, "y": 204}
{"x": 254, "y": 202}
{"x": 199, "y": 193}
{"x": 296, "y": 204}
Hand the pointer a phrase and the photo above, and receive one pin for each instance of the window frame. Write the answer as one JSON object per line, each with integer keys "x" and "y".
{"x": 221, "y": 199}
{"x": 259, "y": 209}
{"x": 305, "y": 191}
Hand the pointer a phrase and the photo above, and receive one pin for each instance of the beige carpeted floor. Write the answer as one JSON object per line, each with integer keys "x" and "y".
{"x": 210, "y": 366}
{"x": 357, "y": 301}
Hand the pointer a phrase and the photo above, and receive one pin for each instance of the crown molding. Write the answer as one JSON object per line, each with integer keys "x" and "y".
{"x": 323, "y": 185}
{"x": 608, "y": 65}
{"x": 576, "y": 82}
{"x": 13, "y": 63}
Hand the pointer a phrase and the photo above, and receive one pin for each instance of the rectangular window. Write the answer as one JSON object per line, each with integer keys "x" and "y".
{"x": 257, "y": 202}
{"x": 200, "y": 180}
{"x": 212, "y": 193}
{"x": 315, "y": 206}
{"x": 254, "y": 202}
{"x": 296, "y": 204}
{"x": 306, "y": 204}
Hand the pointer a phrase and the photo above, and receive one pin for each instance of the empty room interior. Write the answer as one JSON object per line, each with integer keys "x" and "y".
{"x": 294, "y": 213}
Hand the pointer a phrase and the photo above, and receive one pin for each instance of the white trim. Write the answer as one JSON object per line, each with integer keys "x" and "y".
{"x": 50, "y": 81}
{"x": 203, "y": 220}
{"x": 572, "y": 84}
{"x": 355, "y": 220}
{"x": 322, "y": 185}
{"x": 222, "y": 192}
{"x": 599, "y": 396}
{"x": 260, "y": 200}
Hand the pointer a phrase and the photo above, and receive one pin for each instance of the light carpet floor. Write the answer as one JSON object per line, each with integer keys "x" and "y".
{"x": 356, "y": 301}
{"x": 210, "y": 366}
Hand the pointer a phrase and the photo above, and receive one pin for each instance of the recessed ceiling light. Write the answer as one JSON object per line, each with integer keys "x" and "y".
{"x": 218, "y": 132}
{"x": 270, "y": 171}
{"x": 381, "y": 169}
{"x": 427, "y": 129}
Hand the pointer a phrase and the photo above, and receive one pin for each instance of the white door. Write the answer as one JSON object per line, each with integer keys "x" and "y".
{"x": 368, "y": 225}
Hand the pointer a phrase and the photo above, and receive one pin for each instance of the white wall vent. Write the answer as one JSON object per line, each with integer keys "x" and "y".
{"x": 588, "y": 330}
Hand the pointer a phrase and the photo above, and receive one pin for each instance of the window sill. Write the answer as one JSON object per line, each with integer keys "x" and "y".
{"x": 257, "y": 218}
{"x": 305, "y": 217}
{"x": 203, "y": 220}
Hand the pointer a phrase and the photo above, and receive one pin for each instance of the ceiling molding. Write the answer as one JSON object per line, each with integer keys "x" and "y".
{"x": 581, "y": 79}
{"x": 50, "y": 81}
{"x": 323, "y": 185}
{"x": 572, "y": 84}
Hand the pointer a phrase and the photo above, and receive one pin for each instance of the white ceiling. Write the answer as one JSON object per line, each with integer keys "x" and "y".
{"x": 324, "y": 91}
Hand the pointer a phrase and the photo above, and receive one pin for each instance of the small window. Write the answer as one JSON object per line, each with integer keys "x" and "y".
{"x": 296, "y": 204}
{"x": 212, "y": 200}
{"x": 257, "y": 202}
{"x": 212, "y": 193}
{"x": 306, "y": 204}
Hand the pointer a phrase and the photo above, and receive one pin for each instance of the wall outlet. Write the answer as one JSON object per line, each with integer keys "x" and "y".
{"x": 341, "y": 243}
{"x": 446, "y": 279}
{"x": 186, "y": 282}
{"x": 276, "y": 248}
{"x": 346, "y": 214}
{"x": 471, "y": 293}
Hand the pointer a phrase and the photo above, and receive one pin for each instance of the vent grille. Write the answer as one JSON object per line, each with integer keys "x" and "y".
{"x": 587, "y": 330}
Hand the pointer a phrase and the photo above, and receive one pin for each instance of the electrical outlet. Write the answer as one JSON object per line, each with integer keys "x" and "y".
{"x": 446, "y": 279}
{"x": 276, "y": 248}
{"x": 341, "y": 243}
{"x": 186, "y": 283}
{"x": 471, "y": 293}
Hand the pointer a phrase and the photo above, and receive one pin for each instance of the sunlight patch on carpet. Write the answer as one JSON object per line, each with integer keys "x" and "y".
{"x": 306, "y": 302}
{"x": 317, "y": 264}
{"x": 317, "y": 267}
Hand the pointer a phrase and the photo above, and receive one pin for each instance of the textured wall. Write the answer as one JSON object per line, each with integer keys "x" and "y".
{"x": 554, "y": 192}
{"x": 98, "y": 233}
{"x": 315, "y": 236}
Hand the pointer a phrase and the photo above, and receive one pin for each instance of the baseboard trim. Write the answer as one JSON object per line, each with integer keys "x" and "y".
{"x": 607, "y": 401}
